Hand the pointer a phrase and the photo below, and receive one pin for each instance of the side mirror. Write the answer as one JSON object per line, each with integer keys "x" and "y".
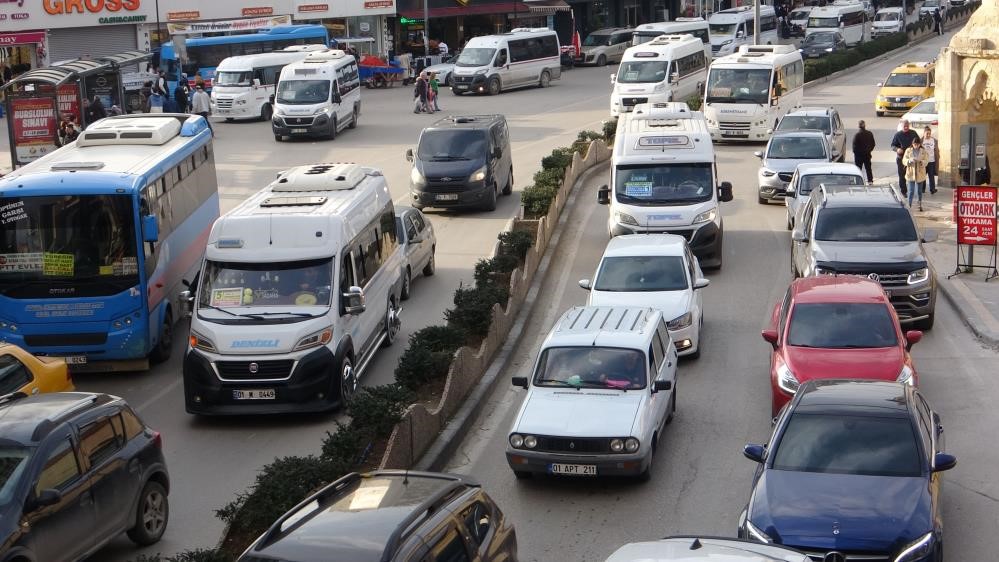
{"x": 740, "y": 34}
{"x": 758, "y": 154}
{"x": 271, "y": 99}
{"x": 603, "y": 195}
{"x": 912, "y": 337}
{"x": 674, "y": 78}
{"x": 585, "y": 284}
{"x": 799, "y": 236}
{"x": 613, "y": 78}
{"x": 409, "y": 154}
{"x": 150, "y": 229}
{"x": 754, "y": 452}
{"x": 658, "y": 386}
{"x": 725, "y": 192}
{"x": 941, "y": 462}
{"x": 498, "y": 152}
{"x": 256, "y": 82}
{"x": 775, "y": 100}
{"x": 879, "y": 84}
{"x": 701, "y": 283}
{"x": 770, "y": 131}
{"x": 353, "y": 300}
{"x": 186, "y": 299}
{"x": 44, "y": 498}
{"x": 933, "y": 84}
{"x": 336, "y": 98}
{"x": 770, "y": 336}
{"x": 929, "y": 235}
{"x": 519, "y": 381}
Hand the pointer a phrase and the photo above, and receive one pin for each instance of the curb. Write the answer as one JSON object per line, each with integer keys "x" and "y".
{"x": 973, "y": 323}
{"x": 447, "y": 442}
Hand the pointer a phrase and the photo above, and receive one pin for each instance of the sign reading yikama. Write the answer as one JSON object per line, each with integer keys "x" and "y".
{"x": 976, "y": 215}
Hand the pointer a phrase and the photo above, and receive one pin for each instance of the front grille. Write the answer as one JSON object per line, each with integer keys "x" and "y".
{"x": 820, "y": 555}
{"x": 629, "y": 102}
{"x": 580, "y": 445}
{"x": 223, "y": 103}
{"x": 461, "y": 79}
{"x": 444, "y": 188}
{"x": 734, "y": 125}
{"x": 90, "y": 338}
{"x": 242, "y": 370}
{"x": 785, "y": 176}
{"x": 298, "y": 120}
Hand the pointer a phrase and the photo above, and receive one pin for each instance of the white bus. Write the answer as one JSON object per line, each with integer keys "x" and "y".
{"x": 668, "y": 68}
{"x": 748, "y": 92}
{"x": 493, "y": 63}
{"x": 697, "y": 27}
{"x": 733, "y": 28}
{"x": 848, "y": 18}
{"x": 244, "y": 84}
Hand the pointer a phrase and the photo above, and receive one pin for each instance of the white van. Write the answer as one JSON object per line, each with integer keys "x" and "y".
{"x": 887, "y": 21}
{"x": 604, "y": 45}
{"x": 848, "y": 18}
{"x": 698, "y": 27}
{"x": 300, "y": 287}
{"x": 243, "y": 85}
{"x": 318, "y": 96}
{"x": 493, "y": 63}
{"x": 732, "y": 28}
{"x": 670, "y": 67}
{"x": 664, "y": 179}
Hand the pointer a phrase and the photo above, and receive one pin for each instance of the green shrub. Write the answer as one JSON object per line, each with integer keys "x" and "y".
{"x": 346, "y": 442}
{"x": 428, "y": 356}
{"x": 473, "y": 307}
{"x": 609, "y": 129}
{"x": 583, "y": 140}
{"x": 516, "y": 243}
{"x": 437, "y": 338}
{"x": 375, "y": 410}
{"x": 558, "y": 161}
{"x": 551, "y": 177}
{"x": 694, "y": 102}
{"x": 536, "y": 199}
{"x": 817, "y": 68}
{"x": 498, "y": 268}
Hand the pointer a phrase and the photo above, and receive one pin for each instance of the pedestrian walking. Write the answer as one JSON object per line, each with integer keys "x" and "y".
{"x": 201, "y": 105}
{"x": 900, "y": 143}
{"x": 915, "y": 160}
{"x": 863, "y": 147}
{"x": 145, "y": 95}
{"x": 182, "y": 95}
{"x": 160, "y": 85}
{"x": 933, "y": 152}
{"x": 420, "y": 94}
{"x": 434, "y": 90}
{"x": 937, "y": 22}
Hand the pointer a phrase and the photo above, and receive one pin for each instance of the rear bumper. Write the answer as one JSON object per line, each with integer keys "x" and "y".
{"x": 705, "y": 241}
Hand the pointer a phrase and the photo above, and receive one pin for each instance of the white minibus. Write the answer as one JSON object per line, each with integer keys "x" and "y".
{"x": 493, "y": 63}
{"x": 318, "y": 96}
{"x": 670, "y": 67}
{"x": 848, "y": 18}
{"x": 733, "y": 28}
{"x": 698, "y": 27}
{"x": 243, "y": 85}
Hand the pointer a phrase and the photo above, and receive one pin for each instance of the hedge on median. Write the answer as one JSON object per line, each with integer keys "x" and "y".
{"x": 538, "y": 197}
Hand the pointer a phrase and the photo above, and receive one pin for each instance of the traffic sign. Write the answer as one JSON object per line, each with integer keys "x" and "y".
{"x": 976, "y": 215}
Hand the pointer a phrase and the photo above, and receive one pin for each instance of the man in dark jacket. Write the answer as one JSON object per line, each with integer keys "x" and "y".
{"x": 182, "y": 94}
{"x": 899, "y": 143}
{"x": 863, "y": 146}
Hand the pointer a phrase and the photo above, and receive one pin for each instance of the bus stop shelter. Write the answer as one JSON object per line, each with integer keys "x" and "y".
{"x": 37, "y": 101}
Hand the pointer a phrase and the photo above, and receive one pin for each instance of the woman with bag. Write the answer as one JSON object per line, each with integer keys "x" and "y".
{"x": 915, "y": 160}
{"x": 420, "y": 93}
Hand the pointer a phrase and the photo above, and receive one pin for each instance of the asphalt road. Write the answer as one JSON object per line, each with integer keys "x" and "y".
{"x": 210, "y": 460}
{"x": 701, "y": 480}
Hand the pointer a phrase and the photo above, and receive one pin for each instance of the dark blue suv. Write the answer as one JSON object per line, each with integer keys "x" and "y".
{"x": 76, "y": 470}
{"x": 852, "y": 473}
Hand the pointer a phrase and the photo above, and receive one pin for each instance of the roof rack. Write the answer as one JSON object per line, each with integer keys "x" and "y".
{"x": 827, "y": 190}
{"x": 11, "y": 396}
{"x": 82, "y": 404}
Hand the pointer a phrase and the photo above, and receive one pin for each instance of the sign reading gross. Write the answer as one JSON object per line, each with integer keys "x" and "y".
{"x": 976, "y": 215}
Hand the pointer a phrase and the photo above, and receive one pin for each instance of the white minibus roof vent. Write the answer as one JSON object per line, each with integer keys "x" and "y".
{"x": 666, "y": 111}
{"x": 667, "y": 39}
{"x": 689, "y": 19}
{"x": 760, "y": 50}
{"x": 325, "y": 55}
{"x": 529, "y": 29}
{"x": 310, "y": 201}
{"x": 130, "y": 130}
{"x": 73, "y": 166}
{"x": 320, "y": 177}
{"x": 304, "y": 48}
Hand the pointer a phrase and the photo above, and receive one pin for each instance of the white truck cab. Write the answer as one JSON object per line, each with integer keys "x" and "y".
{"x": 318, "y": 96}
{"x": 243, "y": 85}
{"x": 667, "y": 68}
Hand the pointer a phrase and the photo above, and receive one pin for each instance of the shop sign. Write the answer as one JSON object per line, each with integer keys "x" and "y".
{"x": 34, "y": 122}
{"x": 976, "y": 215}
{"x": 314, "y": 8}
{"x": 227, "y": 25}
{"x": 121, "y": 19}
{"x": 376, "y": 4}
{"x": 260, "y": 11}
{"x": 184, "y": 16}
{"x": 57, "y": 7}
{"x": 8, "y": 39}
{"x": 69, "y": 101}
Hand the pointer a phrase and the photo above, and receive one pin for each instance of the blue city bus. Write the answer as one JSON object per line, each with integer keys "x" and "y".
{"x": 98, "y": 238}
{"x": 205, "y": 53}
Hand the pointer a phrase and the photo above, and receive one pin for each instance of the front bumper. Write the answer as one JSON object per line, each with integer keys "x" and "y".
{"x": 773, "y": 188}
{"x": 475, "y": 83}
{"x": 537, "y": 462}
{"x": 913, "y": 303}
{"x": 894, "y": 107}
{"x": 451, "y": 195}
{"x": 685, "y": 339}
{"x": 705, "y": 240}
{"x": 310, "y": 126}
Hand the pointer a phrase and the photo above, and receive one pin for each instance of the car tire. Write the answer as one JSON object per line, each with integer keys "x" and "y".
{"x": 331, "y": 135}
{"x": 278, "y": 138}
{"x": 879, "y": 113}
{"x": 407, "y": 281}
{"x": 447, "y": 80}
{"x": 790, "y": 223}
{"x": 161, "y": 353}
{"x": 602, "y": 60}
{"x": 546, "y": 79}
{"x": 151, "y": 515}
{"x": 494, "y": 87}
{"x": 490, "y": 204}
{"x": 431, "y": 267}
{"x": 522, "y": 474}
{"x": 456, "y": 92}
{"x": 266, "y": 112}
{"x": 761, "y": 200}
{"x": 393, "y": 323}
{"x": 508, "y": 188}
{"x": 353, "y": 118}
{"x": 927, "y": 323}
{"x": 347, "y": 380}
{"x": 672, "y": 407}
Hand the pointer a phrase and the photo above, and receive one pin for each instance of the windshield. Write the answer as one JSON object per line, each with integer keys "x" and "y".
{"x": 13, "y": 461}
{"x": 594, "y": 40}
{"x": 475, "y": 57}
{"x": 645, "y": 71}
{"x": 859, "y": 224}
{"x": 798, "y": 15}
{"x": 804, "y": 122}
{"x": 820, "y": 39}
{"x": 739, "y": 85}
{"x": 67, "y": 245}
{"x": 722, "y": 29}
{"x": 796, "y": 148}
{"x": 276, "y": 284}
{"x": 823, "y": 22}
{"x": 841, "y": 325}
{"x": 595, "y": 367}
{"x": 906, "y": 80}
{"x": 233, "y": 78}
{"x": 641, "y": 274}
{"x": 930, "y": 3}
{"x": 925, "y": 107}
{"x": 812, "y": 181}
{"x": 452, "y": 144}
{"x": 639, "y": 37}
{"x": 886, "y": 16}
{"x": 303, "y": 92}
{"x": 664, "y": 184}
{"x": 848, "y": 444}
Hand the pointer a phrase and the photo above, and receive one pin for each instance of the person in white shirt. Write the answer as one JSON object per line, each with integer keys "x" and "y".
{"x": 201, "y": 104}
{"x": 930, "y": 144}
{"x": 442, "y": 48}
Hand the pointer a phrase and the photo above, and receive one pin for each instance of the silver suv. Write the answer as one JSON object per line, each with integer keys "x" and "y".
{"x": 867, "y": 230}
{"x": 825, "y": 119}
{"x": 784, "y": 151}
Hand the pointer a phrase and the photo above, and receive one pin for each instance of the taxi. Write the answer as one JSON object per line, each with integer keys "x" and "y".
{"x": 905, "y": 87}
{"x": 21, "y": 371}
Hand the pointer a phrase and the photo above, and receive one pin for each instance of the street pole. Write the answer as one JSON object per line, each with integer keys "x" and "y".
{"x": 756, "y": 21}
{"x": 159, "y": 39}
{"x": 426, "y": 28}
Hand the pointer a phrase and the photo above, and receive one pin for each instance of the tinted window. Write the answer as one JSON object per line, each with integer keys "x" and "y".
{"x": 646, "y": 71}
{"x": 807, "y": 183}
{"x": 641, "y": 273}
{"x": 60, "y": 469}
{"x": 799, "y": 122}
{"x": 844, "y": 444}
{"x": 660, "y": 184}
{"x": 595, "y": 367}
{"x": 13, "y": 374}
{"x": 887, "y": 16}
{"x": 13, "y": 460}
{"x": 280, "y": 284}
{"x": 739, "y": 85}
{"x": 519, "y": 50}
{"x": 99, "y": 441}
{"x": 446, "y": 145}
{"x": 796, "y": 148}
{"x": 451, "y": 548}
{"x": 478, "y": 520}
{"x": 303, "y": 92}
{"x": 842, "y": 325}
{"x": 133, "y": 426}
{"x": 859, "y": 224}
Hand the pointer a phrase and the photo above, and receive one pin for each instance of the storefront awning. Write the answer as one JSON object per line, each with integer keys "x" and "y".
{"x": 547, "y": 6}
{"x": 473, "y": 10}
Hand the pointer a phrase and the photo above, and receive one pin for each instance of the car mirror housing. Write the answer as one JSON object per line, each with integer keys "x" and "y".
{"x": 799, "y": 236}
{"x": 943, "y": 461}
{"x": 912, "y": 337}
{"x": 585, "y": 284}
{"x": 758, "y": 154}
{"x": 603, "y": 195}
{"x": 519, "y": 381}
{"x": 44, "y": 498}
{"x": 701, "y": 283}
{"x": 661, "y": 386}
{"x": 770, "y": 336}
{"x": 754, "y": 452}
{"x": 409, "y": 154}
{"x": 725, "y": 192}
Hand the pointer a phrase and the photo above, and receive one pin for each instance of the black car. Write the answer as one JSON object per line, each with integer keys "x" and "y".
{"x": 462, "y": 162}
{"x": 76, "y": 470}
{"x": 822, "y": 43}
{"x": 390, "y": 515}
{"x": 853, "y": 472}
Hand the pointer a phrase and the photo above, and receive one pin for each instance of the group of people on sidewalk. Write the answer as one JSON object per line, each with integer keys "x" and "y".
{"x": 915, "y": 159}
{"x": 425, "y": 93}
{"x": 184, "y": 100}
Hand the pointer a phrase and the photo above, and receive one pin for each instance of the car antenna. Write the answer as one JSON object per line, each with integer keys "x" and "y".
{"x": 696, "y": 545}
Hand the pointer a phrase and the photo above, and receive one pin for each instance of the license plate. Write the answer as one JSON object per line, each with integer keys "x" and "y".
{"x": 734, "y": 134}
{"x": 75, "y": 360}
{"x": 222, "y": 111}
{"x": 459, "y": 87}
{"x": 257, "y": 394}
{"x": 573, "y": 469}
{"x": 300, "y": 130}
{"x": 898, "y": 106}
{"x": 447, "y": 197}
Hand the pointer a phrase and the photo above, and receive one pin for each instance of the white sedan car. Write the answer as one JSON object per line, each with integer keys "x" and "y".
{"x": 443, "y": 70}
{"x": 656, "y": 270}
{"x": 925, "y": 113}
{"x": 416, "y": 236}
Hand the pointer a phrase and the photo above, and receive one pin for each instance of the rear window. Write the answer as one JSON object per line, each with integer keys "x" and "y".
{"x": 859, "y": 224}
{"x": 641, "y": 274}
{"x": 841, "y": 326}
{"x": 797, "y": 148}
{"x": 813, "y": 181}
{"x": 801, "y": 122}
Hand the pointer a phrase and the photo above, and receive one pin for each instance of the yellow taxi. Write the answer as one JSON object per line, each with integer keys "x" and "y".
{"x": 905, "y": 87}
{"x": 21, "y": 371}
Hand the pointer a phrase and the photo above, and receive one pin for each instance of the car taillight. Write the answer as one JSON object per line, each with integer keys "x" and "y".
{"x": 935, "y": 122}
{"x": 157, "y": 440}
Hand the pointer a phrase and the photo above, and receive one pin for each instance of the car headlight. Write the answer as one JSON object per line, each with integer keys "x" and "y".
{"x": 7, "y": 325}
{"x": 625, "y": 218}
{"x": 829, "y": 50}
{"x": 706, "y": 216}
{"x": 482, "y": 71}
{"x": 616, "y": 445}
{"x": 516, "y": 441}
{"x": 918, "y": 276}
{"x": 881, "y": 98}
{"x": 916, "y": 99}
{"x": 530, "y": 441}
{"x": 478, "y": 175}
{"x": 767, "y": 173}
{"x": 680, "y": 322}
{"x": 757, "y": 534}
{"x": 321, "y": 111}
{"x": 123, "y": 322}
{"x": 905, "y": 375}
{"x": 416, "y": 177}
{"x": 726, "y": 42}
{"x": 315, "y": 339}
{"x": 240, "y": 102}
{"x": 918, "y": 549}
{"x": 786, "y": 379}
{"x": 201, "y": 342}
{"x": 631, "y": 444}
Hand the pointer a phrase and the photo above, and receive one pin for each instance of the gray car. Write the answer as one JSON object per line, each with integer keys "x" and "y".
{"x": 784, "y": 151}
{"x": 416, "y": 236}
{"x": 709, "y": 549}
{"x": 867, "y": 230}
{"x": 825, "y": 119}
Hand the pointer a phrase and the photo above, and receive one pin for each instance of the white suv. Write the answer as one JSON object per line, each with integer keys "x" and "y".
{"x": 656, "y": 270}
{"x": 600, "y": 397}
{"x": 808, "y": 177}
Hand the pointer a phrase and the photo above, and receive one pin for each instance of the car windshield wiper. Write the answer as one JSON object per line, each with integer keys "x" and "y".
{"x": 555, "y": 382}
{"x": 299, "y": 314}
{"x": 447, "y": 158}
{"x": 231, "y": 313}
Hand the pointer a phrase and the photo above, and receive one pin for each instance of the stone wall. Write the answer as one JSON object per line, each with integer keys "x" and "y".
{"x": 420, "y": 425}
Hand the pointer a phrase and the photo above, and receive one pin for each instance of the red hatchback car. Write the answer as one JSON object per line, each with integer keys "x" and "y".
{"x": 835, "y": 327}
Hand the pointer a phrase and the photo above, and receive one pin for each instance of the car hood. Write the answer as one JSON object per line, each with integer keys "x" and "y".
{"x": 868, "y": 252}
{"x": 671, "y": 303}
{"x": 579, "y": 413}
{"x": 870, "y": 513}
{"x": 440, "y": 68}
{"x": 895, "y": 23}
{"x": 788, "y": 164}
{"x": 892, "y": 91}
{"x": 457, "y": 169}
{"x": 881, "y": 363}
{"x": 626, "y": 88}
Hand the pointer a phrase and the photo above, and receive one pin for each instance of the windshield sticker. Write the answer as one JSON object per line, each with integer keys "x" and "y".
{"x": 638, "y": 189}
{"x": 720, "y": 92}
{"x": 21, "y": 262}
{"x": 229, "y": 297}
{"x": 106, "y": 270}
{"x": 57, "y": 264}
{"x": 127, "y": 266}
{"x": 12, "y": 212}
{"x": 631, "y": 76}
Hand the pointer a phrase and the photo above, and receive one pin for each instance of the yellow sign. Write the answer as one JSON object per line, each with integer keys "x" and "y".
{"x": 57, "y": 264}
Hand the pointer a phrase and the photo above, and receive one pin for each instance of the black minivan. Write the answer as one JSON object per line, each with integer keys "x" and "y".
{"x": 462, "y": 162}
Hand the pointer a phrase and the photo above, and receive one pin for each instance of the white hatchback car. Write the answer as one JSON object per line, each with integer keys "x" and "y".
{"x": 656, "y": 270}
{"x": 810, "y": 176}
{"x": 925, "y": 113}
{"x": 600, "y": 396}
{"x": 416, "y": 236}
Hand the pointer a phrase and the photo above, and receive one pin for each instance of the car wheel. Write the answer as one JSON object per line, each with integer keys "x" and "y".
{"x": 392, "y": 323}
{"x": 761, "y": 200}
{"x": 151, "y": 515}
{"x": 447, "y": 79}
{"x": 508, "y": 188}
{"x": 332, "y": 132}
{"x": 927, "y": 323}
{"x": 348, "y": 381}
{"x": 602, "y": 60}
{"x": 266, "y": 112}
{"x": 880, "y": 113}
{"x": 430, "y": 268}
{"x": 353, "y": 119}
{"x": 456, "y": 92}
{"x": 790, "y": 223}
{"x": 494, "y": 86}
{"x": 672, "y": 407}
{"x": 546, "y": 80}
{"x": 278, "y": 138}
{"x": 161, "y": 353}
{"x": 490, "y": 204}
{"x": 407, "y": 280}
{"x": 522, "y": 474}
{"x": 794, "y": 270}
{"x": 842, "y": 157}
